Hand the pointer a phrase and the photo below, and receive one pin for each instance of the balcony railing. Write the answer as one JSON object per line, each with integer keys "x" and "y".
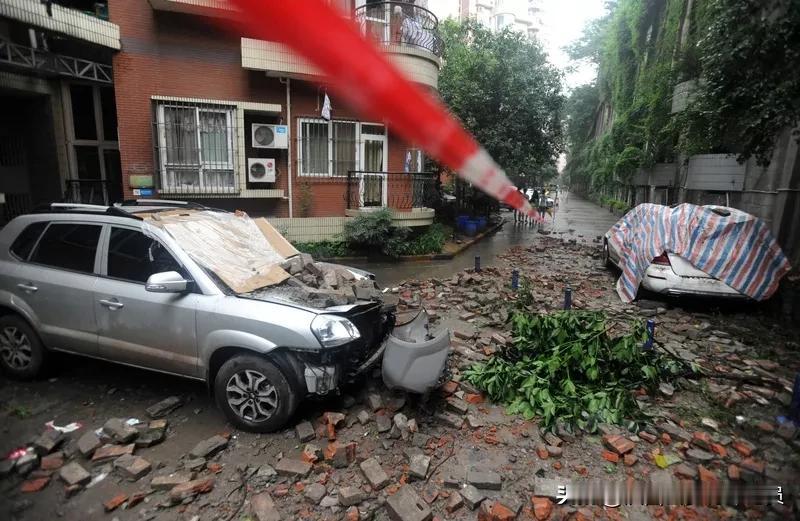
{"x": 398, "y": 190}
{"x": 400, "y": 23}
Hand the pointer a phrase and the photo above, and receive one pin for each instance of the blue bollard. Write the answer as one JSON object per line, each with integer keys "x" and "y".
{"x": 568, "y": 298}
{"x": 514, "y": 279}
{"x": 651, "y": 331}
{"x": 477, "y": 263}
{"x": 794, "y": 408}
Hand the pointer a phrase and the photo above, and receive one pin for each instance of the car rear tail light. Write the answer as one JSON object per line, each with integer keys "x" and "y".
{"x": 662, "y": 259}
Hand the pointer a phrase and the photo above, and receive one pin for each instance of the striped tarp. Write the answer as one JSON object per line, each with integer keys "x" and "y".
{"x": 737, "y": 249}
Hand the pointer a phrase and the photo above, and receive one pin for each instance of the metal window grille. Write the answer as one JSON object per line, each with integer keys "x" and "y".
{"x": 400, "y": 23}
{"x": 196, "y": 147}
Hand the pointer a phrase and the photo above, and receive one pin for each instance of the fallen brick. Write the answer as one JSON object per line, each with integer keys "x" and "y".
{"x": 629, "y": 460}
{"x": 702, "y": 440}
{"x": 541, "y": 451}
{"x": 619, "y": 444}
{"x": 119, "y": 431}
{"x": 305, "y": 431}
{"x": 191, "y": 489}
{"x": 454, "y": 502}
{"x": 742, "y": 447}
{"x": 485, "y": 479}
{"x": 164, "y": 407}
{"x": 47, "y": 442}
{"x": 613, "y": 457}
{"x": 340, "y": 455}
{"x": 734, "y": 473}
{"x": 646, "y": 436}
{"x": 706, "y": 475}
{"x": 542, "y": 507}
{"x": 34, "y": 485}
{"x": 352, "y": 514}
{"x": 108, "y": 452}
{"x": 169, "y": 481}
{"x": 753, "y": 465}
{"x": 52, "y": 461}
{"x": 472, "y": 496}
{"x": 263, "y": 508}
{"x": 88, "y": 443}
{"x": 73, "y": 474}
{"x": 208, "y": 448}
{"x": 293, "y": 467}
{"x": 685, "y": 471}
{"x": 495, "y": 511}
{"x": 349, "y": 496}
{"x": 374, "y": 473}
{"x": 132, "y": 467}
{"x": 406, "y": 505}
{"x": 114, "y": 502}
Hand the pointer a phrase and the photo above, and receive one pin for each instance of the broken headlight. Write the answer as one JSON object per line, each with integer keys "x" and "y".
{"x": 333, "y": 330}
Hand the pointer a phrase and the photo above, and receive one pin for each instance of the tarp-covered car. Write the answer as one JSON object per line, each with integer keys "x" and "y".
{"x": 687, "y": 249}
{"x": 204, "y": 294}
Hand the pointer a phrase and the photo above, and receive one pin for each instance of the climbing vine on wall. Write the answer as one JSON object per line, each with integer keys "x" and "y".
{"x": 745, "y": 54}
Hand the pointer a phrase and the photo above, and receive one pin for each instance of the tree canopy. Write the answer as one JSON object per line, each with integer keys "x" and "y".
{"x": 504, "y": 91}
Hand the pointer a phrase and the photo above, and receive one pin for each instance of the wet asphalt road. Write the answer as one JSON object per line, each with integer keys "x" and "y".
{"x": 575, "y": 218}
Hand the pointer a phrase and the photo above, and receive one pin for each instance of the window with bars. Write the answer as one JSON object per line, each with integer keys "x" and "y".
{"x": 334, "y": 148}
{"x": 196, "y": 147}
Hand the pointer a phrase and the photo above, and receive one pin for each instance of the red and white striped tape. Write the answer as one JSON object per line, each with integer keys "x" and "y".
{"x": 360, "y": 73}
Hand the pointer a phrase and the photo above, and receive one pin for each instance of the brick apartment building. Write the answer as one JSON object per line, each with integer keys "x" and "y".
{"x": 205, "y": 113}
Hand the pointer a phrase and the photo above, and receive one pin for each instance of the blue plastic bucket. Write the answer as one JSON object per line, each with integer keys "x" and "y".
{"x": 471, "y": 228}
{"x": 481, "y": 223}
{"x": 461, "y": 221}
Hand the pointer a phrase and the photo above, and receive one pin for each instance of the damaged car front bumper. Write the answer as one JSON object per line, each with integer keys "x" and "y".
{"x": 412, "y": 359}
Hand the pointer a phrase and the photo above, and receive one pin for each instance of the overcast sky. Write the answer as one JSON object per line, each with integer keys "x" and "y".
{"x": 563, "y": 23}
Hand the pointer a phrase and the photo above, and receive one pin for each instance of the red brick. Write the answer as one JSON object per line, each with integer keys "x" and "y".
{"x": 449, "y": 387}
{"x": 52, "y": 461}
{"x": 743, "y": 448}
{"x": 115, "y": 502}
{"x": 619, "y": 444}
{"x": 610, "y": 456}
{"x": 541, "y": 451}
{"x": 706, "y": 475}
{"x": 34, "y": 485}
{"x": 766, "y": 426}
{"x": 646, "y": 436}
{"x": 542, "y": 507}
{"x": 666, "y": 439}
{"x": 495, "y": 511}
{"x": 753, "y": 465}
{"x": 629, "y": 460}
{"x": 734, "y": 473}
{"x": 702, "y": 440}
{"x": 719, "y": 450}
{"x": 352, "y": 514}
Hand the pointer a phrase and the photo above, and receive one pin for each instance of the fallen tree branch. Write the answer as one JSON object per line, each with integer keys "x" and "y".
{"x": 243, "y": 487}
{"x": 438, "y": 465}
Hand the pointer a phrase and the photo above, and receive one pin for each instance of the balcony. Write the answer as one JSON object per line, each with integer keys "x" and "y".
{"x": 87, "y": 26}
{"x": 406, "y": 32}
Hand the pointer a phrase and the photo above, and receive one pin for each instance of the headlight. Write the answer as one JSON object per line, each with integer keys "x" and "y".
{"x": 333, "y": 330}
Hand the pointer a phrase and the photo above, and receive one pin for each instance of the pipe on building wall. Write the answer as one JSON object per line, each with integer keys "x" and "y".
{"x": 290, "y": 172}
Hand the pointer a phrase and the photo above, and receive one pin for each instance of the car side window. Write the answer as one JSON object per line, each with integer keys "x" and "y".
{"x": 70, "y": 246}
{"x": 133, "y": 256}
{"x": 26, "y": 240}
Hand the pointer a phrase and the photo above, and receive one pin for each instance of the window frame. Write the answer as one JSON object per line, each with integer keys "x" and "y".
{"x": 107, "y": 250}
{"x": 98, "y": 248}
{"x": 203, "y": 166}
{"x": 358, "y": 142}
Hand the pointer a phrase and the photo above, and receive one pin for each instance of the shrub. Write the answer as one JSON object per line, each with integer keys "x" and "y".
{"x": 373, "y": 231}
{"x": 430, "y": 241}
{"x": 324, "y": 249}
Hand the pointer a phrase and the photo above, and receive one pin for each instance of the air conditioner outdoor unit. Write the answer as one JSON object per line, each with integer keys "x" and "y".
{"x": 261, "y": 170}
{"x": 270, "y": 136}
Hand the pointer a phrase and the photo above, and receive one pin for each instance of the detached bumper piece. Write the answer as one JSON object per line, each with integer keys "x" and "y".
{"x": 412, "y": 361}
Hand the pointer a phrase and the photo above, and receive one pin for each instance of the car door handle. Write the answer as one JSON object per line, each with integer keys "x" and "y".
{"x": 30, "y": 288}
{"x": 112, "y": 304}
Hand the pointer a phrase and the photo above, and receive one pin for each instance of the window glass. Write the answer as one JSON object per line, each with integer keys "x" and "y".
{"x": 25, "y": 241}
{"x": 109, "y": 107}
{"x": 314, "y": 151}
{"x": 82, "y": 98}
{"x": 180, "y": 135}
{"x": 69, "y": 246}
{"x": 214, "y": 138}
{"x": 134, "y": 256}
{"x": 344, "y": 147}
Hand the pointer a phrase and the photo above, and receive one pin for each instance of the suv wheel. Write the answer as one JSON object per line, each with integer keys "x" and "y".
{"x": 607, "y": 255}
{"x": 254, "y": 393}
{"x": 22, "y": 354}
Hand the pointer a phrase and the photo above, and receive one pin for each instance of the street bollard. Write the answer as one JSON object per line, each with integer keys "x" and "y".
{"x": 651, "y": 331}
{"x": 515, "y": 279}
{"x": 794, "y": 408}
{"x": 568, "y": 298}
{"x": 477, "y": 263}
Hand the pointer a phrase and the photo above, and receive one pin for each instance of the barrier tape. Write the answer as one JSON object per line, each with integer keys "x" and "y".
{"x": 360, "y": 73}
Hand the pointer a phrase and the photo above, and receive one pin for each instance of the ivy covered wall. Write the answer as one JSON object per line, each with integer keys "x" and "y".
{"x": 745, "y": 54}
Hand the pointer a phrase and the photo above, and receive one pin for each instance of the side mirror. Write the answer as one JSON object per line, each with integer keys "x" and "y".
{"x": 166, "y": 282}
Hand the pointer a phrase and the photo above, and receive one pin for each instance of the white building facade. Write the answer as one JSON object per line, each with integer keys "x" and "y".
{"x": 518, "y": 15}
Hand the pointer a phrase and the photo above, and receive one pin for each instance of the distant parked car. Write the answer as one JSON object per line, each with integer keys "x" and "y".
{"x": 672, "y": 274}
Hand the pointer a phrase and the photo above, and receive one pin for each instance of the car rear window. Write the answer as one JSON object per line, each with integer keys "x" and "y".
{"x": 69, "y": 246}
{"x": 26, "y": 240}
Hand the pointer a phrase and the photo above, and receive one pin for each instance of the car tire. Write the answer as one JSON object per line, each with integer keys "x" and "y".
{"x": 607, "y": 256}
{"x": 254, "y": 394}
{"x": 22, "y": 354}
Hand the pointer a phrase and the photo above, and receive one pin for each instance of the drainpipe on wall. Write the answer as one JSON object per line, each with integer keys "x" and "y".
{"x": 289, "y": 172}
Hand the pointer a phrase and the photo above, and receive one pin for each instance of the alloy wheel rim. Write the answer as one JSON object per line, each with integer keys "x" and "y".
{"x": 15, "y": 348}
{"x": 252, "y": 396}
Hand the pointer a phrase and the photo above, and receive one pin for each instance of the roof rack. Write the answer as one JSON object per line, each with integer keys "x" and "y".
{"x": 87, "y": 209}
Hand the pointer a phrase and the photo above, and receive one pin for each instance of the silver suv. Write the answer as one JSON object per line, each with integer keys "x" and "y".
{"x": 101, "y": 282}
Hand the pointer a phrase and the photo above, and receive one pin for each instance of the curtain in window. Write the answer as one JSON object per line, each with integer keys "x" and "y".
{"x": 314, "y": 148}
{"x": 344, "y": 147}
{"x": 180, "y": 135}
{"x": 214, "y": 138}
